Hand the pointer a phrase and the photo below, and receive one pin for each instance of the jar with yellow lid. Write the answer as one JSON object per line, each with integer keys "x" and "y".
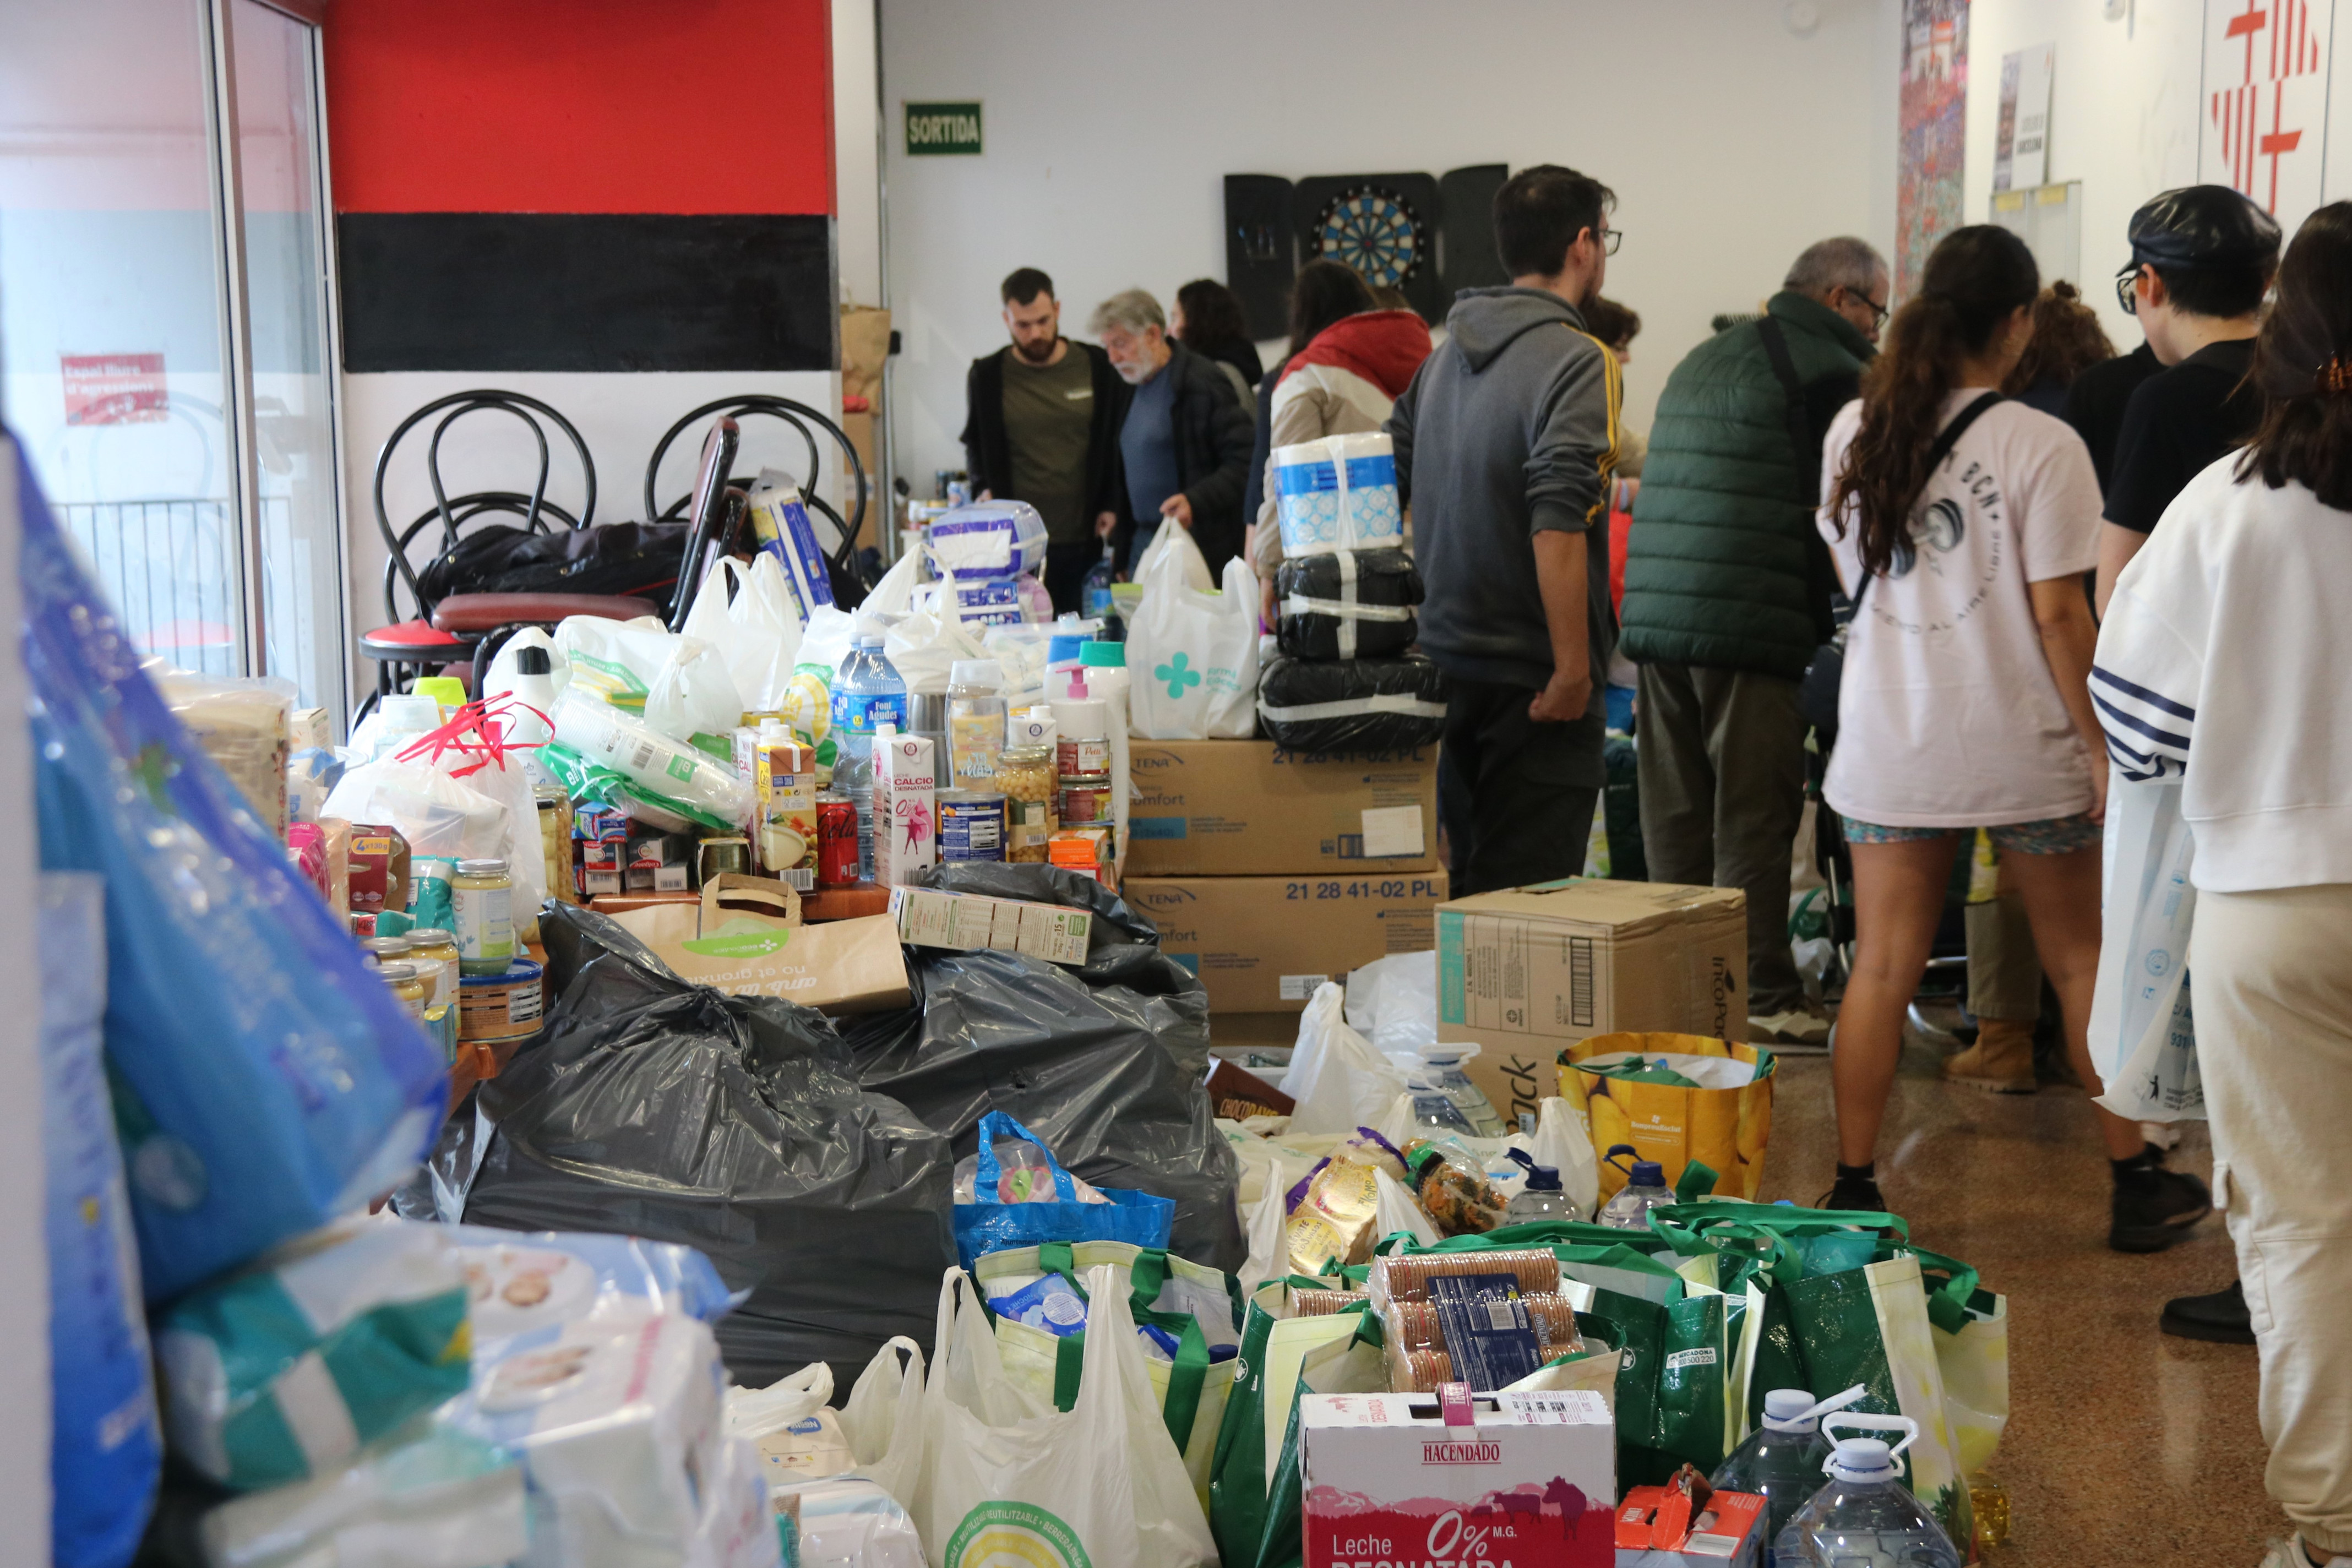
{"x": 482, "y": 893}
{"x": 1025, "y": 775}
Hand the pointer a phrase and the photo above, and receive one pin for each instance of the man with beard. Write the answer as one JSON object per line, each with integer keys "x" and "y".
{"x": 1184, "y": 444}
{"x": 1041, "y": 425}
{"x": 1505, "y": 443}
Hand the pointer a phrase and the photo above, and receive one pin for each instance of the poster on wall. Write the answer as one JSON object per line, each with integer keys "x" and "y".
{"x": 1934, "y": 102}
{"x": 2020, "y": 147}
{"x": 2265, "y": 127}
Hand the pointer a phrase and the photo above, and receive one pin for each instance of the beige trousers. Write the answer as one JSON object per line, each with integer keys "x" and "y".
{"x": 2272, "y": 978}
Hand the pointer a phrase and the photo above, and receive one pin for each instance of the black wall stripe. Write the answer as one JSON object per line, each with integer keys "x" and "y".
{"x": 585, "y": 291}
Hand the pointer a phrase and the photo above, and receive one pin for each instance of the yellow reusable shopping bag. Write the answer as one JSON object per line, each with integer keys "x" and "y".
{"x": 1723, "y": 1123}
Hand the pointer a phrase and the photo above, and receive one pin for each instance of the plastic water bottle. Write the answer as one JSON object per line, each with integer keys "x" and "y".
{"x": 1645, "y": 1189}
{"x": 1542, "y": 1197}
{"x": 1781, "y": 1460}
{"x": 1865, "y": 1517}
{"x": 1444, "y": 1064}
{"x": 1093, "y": 596}
{"x": 866, "y": 693}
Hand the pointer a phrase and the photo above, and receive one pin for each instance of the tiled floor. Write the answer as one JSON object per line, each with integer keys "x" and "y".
{"x": 2124, "y": 1447}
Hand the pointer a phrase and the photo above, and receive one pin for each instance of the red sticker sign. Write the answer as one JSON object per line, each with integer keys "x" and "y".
{"x": 114, "y": 389}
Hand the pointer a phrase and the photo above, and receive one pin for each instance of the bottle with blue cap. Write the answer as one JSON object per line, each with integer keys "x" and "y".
{"x": 1645, "y": 1189}
{"x": 1865, "y": 1517}
{"x": 1781, "y": 1459}
{"x": 1543, "y": 1197}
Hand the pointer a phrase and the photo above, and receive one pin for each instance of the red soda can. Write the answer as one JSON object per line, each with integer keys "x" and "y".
{"x": 836, "y": 840}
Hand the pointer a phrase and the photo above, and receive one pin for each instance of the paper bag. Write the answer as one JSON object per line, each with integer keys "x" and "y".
{"x": 746, "y": 937}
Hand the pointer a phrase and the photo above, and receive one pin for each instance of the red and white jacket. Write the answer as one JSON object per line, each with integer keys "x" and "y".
{"x": 1342, "y": 384}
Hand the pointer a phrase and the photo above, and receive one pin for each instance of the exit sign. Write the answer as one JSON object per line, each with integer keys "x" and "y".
{"x": 935, "y": 129}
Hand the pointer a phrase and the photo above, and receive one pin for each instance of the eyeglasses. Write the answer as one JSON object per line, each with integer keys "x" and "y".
{"x": 1877, "y": 310}
{"x": 1611, "y": 238}
{"x": 2126, "y": 294}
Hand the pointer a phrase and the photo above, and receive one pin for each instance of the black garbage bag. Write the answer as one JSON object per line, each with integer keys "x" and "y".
{"x": 1352, "y": 705}
{"x": 1105, "y": 1062}
{"x": 1347, "y": 604}
{"x": 734, "y": 1124}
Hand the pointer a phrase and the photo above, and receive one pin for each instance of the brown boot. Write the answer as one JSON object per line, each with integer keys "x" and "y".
{"x": 2000, "y": 1062}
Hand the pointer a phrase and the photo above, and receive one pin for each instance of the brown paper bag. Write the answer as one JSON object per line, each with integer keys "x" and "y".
{"x": 746, "y": 937}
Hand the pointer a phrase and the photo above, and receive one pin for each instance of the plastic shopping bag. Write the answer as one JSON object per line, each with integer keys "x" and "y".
{"x": 106, "y": 1450}
{"x": 884, "y": 1420}
{"x": 1339, "y": 1082}
{"x": 750, "y": 616}
{"x": 2143, "y": 1039}
{"x": 437, "y": 814}
{"x": 477, "y": 749}
{"x": 679, "y": 685}
{"x": 264, "y": 1080}
{"x": 990, "y": 1225}
{"x": 1192, "y": 657}
{"x": 1100, "y": 1486}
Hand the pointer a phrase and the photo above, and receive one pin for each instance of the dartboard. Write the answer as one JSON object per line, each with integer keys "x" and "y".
{"x": 1374, "y": 232}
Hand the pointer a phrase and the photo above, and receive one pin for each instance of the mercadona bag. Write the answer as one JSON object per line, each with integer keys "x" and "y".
{"x": 987, "y": 1226}
{"x": 2143, "y": 1038}
{"x": 1006, "y": 1475}
{"x": 1192, "y": 657}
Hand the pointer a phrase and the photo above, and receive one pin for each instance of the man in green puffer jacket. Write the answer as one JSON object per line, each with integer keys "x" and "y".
{"x": 1726, "y": 597}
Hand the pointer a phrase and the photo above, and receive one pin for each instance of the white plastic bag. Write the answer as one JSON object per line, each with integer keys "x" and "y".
{"x": 1269, "y": 1254}
{"x": 503, "y": 674}
{"x": 1192, "y": 657}
{"x": 2142, "y": 1039}
{"x": 1562, "y": 1142}
{"x": 754, "y": 1413}
{"x": 1395, "y": 1209}
{"x": 747, "y": 615}
{"x": 1006, "y": 1474}
{"x": 679, "y": 685}
{"x": 1393, "y": 1002}
{"x": 883, "y": 1421}
{"x": 1339, "y": 1082}
{"x": 923, "y": 647}
{"x": 437, "y": 814}
{"x": 895, "y": 594}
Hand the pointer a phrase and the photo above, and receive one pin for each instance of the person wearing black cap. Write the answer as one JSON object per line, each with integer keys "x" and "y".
{"x": 2202, "y": 257}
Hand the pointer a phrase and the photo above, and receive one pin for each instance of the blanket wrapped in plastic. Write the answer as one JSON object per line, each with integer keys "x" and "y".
{"x": 1349, "y": 604}
{"x": 733, "y": 1124}
{"x": 1352, "y": 705}
{"x": 1105, "y": 1062}
{"x": 264, "y": 1080}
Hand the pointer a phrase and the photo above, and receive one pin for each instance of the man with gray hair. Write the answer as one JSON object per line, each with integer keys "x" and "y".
{"x": 1184, "y": 445}
{"x": 1728, "y": 596}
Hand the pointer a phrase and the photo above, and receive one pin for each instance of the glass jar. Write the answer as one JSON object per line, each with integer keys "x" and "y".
{"x": 408, "y": 986}
{"x": 483, "y": 894}
{"x": 555, "y": 842}
{"x": 434, "y": 945}
{"x": 1085, "y": 798}
{"x": 1025, "y": 777}
{"x": 384, "y": 949}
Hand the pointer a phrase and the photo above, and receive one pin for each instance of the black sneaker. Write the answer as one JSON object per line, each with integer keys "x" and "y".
{"x": 1853, "y": 1193}
{"x": 2221, "y": 1317}
{"x": 2154, "y": 1207}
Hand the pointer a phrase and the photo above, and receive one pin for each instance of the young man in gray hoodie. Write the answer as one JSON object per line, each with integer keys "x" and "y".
{"x": 1504, "y": 446}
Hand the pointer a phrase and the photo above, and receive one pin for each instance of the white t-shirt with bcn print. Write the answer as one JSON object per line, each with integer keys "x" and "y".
{"x": 1947, "y": 713}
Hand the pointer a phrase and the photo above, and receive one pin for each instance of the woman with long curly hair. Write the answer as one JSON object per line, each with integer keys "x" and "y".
{"x": 1963, "y": 525}
{"x": 2219, "y": 667}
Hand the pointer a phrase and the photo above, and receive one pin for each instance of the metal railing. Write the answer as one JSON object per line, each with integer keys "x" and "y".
{"x": 168, "y": 565}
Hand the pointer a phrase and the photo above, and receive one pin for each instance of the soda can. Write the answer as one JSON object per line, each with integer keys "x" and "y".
{"x": 836, "y": 840}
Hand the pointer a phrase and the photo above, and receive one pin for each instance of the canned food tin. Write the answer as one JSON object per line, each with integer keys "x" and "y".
{"x": 506, "y": 1007}
{"x": 1089, "y": 755}
{"x": 722, "y": 857}
{"x": 1084, "y": 797}
{"x": 836, "y": 840}
{"x": 971, "y": 825}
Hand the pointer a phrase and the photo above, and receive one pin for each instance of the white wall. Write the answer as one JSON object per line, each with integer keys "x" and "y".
{"x": 2124, "y": 112}
{"x": 857, "y": 153}
{"x": 1732, "y": 142}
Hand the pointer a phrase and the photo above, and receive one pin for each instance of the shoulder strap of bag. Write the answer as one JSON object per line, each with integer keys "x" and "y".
{"x": 1946, "y": 439}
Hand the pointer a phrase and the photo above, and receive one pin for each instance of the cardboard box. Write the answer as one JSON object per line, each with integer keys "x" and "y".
{"x": 1523, "y": 1479}
{"x": 968, "y": 923}
{"x": 1250, "y": 808}
{"x": 1523, "y": 972}
{"x": 745, "y": 936}
{"x": 1657, "y": 1527}
{"x": 1263, "y": 944}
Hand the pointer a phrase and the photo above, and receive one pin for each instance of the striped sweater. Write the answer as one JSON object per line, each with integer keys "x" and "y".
{"x": 2222, "y": 664}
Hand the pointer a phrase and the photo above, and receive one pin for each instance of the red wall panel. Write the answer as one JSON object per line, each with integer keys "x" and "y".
{"x": 581, "y": 106}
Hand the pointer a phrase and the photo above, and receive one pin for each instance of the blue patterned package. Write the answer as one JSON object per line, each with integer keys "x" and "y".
{"x": 265, "y": 1081}
{"x": 106, "y": 1449}
{"x": 1339, "y": 492}
{"x": 520, "y": 1281}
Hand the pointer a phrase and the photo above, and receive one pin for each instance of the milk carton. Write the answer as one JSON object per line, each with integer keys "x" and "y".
{"x": 906, "y": 807}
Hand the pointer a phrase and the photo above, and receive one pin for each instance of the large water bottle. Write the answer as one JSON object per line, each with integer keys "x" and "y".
{"x": 1645, "y": 1189}
{"x": 1543, "y": 1198}
{"x": 1865, "y": 1517}
{"x": 867, "y": 694}
{"x": 1444, "y": 1071}
{"x": 1781, "y": 1460}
